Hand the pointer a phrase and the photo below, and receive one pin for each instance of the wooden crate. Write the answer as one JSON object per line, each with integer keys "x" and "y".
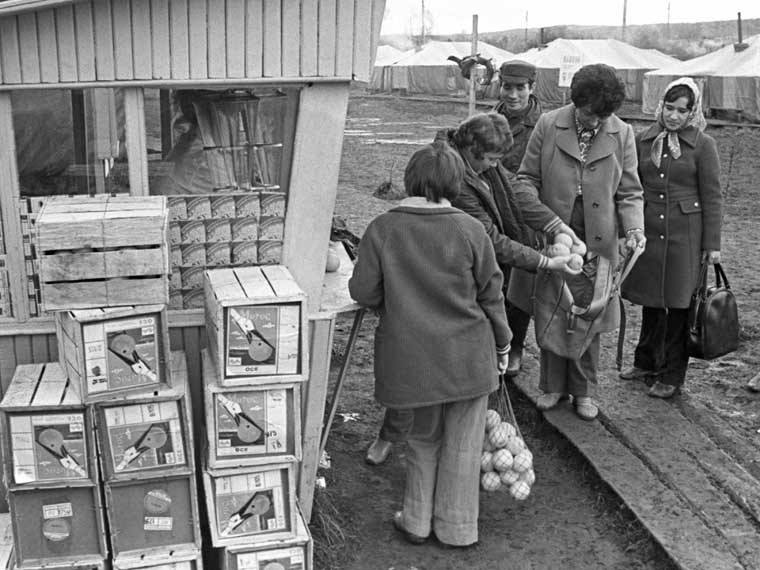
{"x": 48, "y": 438}
{"x": 145, "y": 437}
{"x": 286, "y": 554}
{"x": 102, "y": 251}
{"x": 250, "y": 425}
{"x": 169, "y": 559}
{"x": 59, "y": 527}
{"x": 256, "y": 325}
{"x": 250, "y": 503}
{"x": 148, "y": 517}
{"x": 110, "y": 351}
{"x": 88, "y": 563}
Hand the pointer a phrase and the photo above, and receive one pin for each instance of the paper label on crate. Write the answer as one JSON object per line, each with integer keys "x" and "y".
{"x": 158, "y": 523}
{"x": 56, "y": 530}
{"x": 57, "y": 511}
{"x": 144, "y": 436}
{"x": 263, "y": 340}
{"x": 251, "y": 503}
{"x": 251, "y": 422}
{"x": 122, "y": 354}
{"x": 48, "y": 447}
{"x": 280, "y": 558}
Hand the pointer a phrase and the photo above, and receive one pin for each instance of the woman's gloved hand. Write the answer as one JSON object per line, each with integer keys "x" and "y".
{"x": 561, "y": 264}
{"x": 711, "y": 257}
{"x": 635, "y": 238}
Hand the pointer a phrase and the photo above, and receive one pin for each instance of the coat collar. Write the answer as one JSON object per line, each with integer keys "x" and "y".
{"x": 687, "y": 135}
{"x": 605, "y": 141}
{"x": 484, "y": 192}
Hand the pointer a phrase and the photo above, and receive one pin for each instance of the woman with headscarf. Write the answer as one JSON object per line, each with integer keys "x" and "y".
{"x": 680, "y": 172}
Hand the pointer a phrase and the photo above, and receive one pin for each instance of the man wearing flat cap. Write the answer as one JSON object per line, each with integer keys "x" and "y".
{"x": 522, "y": 109}
{"x": 519, "y": 105}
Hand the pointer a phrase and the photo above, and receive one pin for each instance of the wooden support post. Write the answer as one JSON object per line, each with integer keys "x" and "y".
{"x": 9, "y": 204}
{"x": 474, "y": 52}
{"x": 321, "y": 329}
{"x": 165, "y": 103}
{"x": 137, "y": 146}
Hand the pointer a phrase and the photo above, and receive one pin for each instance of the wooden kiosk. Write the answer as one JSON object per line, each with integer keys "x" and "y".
{"x": 89, "y": 93}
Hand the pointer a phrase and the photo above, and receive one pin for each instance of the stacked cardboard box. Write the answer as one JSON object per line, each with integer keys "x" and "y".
{"x": 253, "y": 368}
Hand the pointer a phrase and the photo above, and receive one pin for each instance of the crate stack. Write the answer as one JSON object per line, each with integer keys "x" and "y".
{"x": 51, "y": 472}
{"x": 253, "y": 369}
{"x": 100, "y": 443}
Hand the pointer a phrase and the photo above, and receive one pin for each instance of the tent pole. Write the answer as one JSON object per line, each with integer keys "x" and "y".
{"x": 473, "y": 51}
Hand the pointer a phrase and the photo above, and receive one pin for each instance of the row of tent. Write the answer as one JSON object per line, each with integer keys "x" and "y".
{"x": 729, "y": 77}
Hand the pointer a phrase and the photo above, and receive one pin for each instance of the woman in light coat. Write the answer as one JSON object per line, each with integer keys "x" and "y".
{"x": 680, "y": 171}
{"x": 581, "y": 161}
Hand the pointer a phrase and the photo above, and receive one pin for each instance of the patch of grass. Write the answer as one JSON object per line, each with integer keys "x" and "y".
{"x": 329, "y": 531}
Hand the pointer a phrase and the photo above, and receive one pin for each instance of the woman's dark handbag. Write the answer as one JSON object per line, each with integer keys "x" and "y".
{"x": 713, "y": 317}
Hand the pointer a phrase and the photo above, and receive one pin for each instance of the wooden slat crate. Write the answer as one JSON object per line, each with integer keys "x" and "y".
{"x": 250, "y": 425}
{"x": 250, "y": 504}
{"x": 108, "y": 352}
{"x": 90, "y": 563}
{"x": 286, "y": 554}
{"x": 256, "y": 325}
{"x": 169, "y": 559}
{"x": 103, "y": 251}
{"x": 48, "y": 438}
{"x": 148, "y": 517}
{"x": 58, "y": 527}
{"x": 145, "y": 437}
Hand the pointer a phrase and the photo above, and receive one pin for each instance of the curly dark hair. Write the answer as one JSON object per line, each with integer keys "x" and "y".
{"x": 680, "y": 91}
{"x": 482, "y": 133}
{"x": 598, "y": 87}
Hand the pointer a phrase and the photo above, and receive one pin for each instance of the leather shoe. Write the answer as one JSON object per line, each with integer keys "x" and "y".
{"x": 661, "y": 390}
{"x": 398, "y": 522}
{"x": 636, "y": 373}
{"x": 585, "y": 408}
{"x": 515, "y": 363}
{"x": 548, "y": 401}
{"x": 378, "y": 452}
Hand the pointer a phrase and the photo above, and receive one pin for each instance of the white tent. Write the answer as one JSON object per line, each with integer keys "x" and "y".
{"x": 385, "y": 56}
{"x": 629, "y": 61}
{"x": 428, "y": 70}
{"x": 729, "y": 79}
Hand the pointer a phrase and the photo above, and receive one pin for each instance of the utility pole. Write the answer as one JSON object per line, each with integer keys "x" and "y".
{"x": 668, "y": 19}
{"x": 422, "y": 24}
{"x": 625, "y": 12}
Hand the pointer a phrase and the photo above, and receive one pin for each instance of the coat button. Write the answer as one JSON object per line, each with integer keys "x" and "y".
{"x": 662, "y": 216}
{"x": 662, "y": 196}
{"x": 662, "y": 236}
{"x": 696, "y": 203}
{"x": 597, "y": 238}
{"x": 592, "y": 168}
{"x": 665, "y": 155}
{"x": 662, "y": 175}
{"x": 595, "y": 204}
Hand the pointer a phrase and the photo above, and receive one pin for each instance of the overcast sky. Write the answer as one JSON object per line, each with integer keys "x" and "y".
{"x": 454, "y": 16}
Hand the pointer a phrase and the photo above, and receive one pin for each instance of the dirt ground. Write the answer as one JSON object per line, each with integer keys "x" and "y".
{"x": 571, "y": 520}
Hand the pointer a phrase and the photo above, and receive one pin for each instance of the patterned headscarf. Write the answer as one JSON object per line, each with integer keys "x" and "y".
{"x": 695, "y": 119}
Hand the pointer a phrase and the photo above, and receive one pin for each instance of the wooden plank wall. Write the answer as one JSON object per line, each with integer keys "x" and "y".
{"x": 151, "y": 40}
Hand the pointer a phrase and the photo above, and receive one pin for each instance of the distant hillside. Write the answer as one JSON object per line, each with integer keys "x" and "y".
{"x": 683, "y": 41}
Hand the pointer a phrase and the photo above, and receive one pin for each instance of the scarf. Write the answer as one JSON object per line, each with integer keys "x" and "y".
{"x": 695, "y": 119}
